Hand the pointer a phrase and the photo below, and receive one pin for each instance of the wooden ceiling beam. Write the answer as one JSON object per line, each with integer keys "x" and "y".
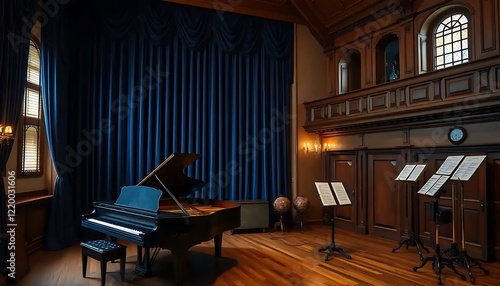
{"x": 280, "y": 10}
{"x": 316, "y": 26}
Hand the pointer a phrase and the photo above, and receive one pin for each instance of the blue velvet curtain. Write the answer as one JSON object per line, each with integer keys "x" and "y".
{"x": 147, "y": 80}
{"x": 15, "y": 34}
{"x": 57, "y": 95}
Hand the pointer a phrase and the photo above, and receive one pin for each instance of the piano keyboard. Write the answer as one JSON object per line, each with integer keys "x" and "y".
{"x": 122, "y": 228}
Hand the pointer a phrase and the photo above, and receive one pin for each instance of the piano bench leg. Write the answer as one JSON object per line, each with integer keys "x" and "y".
{"x": 122, "y": 268}
{"x": 103, "y": 273}
{"x": 84, "y": 265}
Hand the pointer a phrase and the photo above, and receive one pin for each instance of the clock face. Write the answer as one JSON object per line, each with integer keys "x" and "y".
{"x": 456, "y": 135}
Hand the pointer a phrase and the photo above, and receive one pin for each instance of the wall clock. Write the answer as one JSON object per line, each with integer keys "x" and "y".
{"x": 457, "y": 135}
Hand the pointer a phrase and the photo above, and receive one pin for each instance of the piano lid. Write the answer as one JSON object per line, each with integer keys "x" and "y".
{"x": 171, "y": 174}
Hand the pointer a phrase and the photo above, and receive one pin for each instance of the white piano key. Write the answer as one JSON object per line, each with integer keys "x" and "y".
{"x": 126, "y": 229}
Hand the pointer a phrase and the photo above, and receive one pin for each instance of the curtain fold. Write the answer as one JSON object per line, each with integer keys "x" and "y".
{"x": 170, "y": 78}
{"x": 57, "y": 95}
{"x": 14, "y": 48}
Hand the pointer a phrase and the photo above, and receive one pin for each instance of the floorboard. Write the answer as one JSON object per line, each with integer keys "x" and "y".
{"x": 264, "y": 259}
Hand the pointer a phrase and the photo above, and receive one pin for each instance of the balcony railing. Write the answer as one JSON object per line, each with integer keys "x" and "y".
{"x": 462, "y": 94}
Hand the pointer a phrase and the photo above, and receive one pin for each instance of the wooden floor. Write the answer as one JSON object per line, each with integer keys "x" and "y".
{"x": 264, "y": 259}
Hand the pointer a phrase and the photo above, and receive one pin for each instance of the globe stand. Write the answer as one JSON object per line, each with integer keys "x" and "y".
{"x": 279, "y": 224}
{"x": 301, "y": 204}
{"x": 300, "y": 222}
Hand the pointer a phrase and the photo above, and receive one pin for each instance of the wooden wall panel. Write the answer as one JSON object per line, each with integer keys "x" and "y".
{"x": 409, "y": 51}
{"x": 493, "y": 164}
{"x": 353, "y": 106}
{"x": 486, "y": 36}
{"x": 378, "y": 102}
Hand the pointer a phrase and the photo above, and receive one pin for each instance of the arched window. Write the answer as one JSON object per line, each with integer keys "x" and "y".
{"x": 451, "y": 41}
{"x": 387, "y": 58}
{"x": 30, "y": 149}
{"x": 445, "y": 38}
{"x": 350, "y": 71}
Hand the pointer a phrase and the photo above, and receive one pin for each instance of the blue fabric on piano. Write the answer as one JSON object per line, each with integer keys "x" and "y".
{"x": 141, "y": 197}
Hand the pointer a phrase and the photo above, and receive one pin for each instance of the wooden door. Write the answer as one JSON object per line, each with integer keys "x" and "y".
{"x": 342, "y": 168}
{"x": 475, "y": 219}
{"x": 383, "y": 208}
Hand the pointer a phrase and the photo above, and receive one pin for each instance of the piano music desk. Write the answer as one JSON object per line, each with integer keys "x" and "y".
{"x": 103, "y": 251}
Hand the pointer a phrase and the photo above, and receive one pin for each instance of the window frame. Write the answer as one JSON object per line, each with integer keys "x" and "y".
{"x": 24, "y": 121}
{"x": 431, "y": 37}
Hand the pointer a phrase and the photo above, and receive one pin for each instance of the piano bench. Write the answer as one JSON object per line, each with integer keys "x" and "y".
{"x": 103, "y": 251}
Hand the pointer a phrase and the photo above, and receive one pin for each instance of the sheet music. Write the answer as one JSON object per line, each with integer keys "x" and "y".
{"x": 449, "y": 165}
{"x": 403, "y": 175}
{"x": 341, "y": 193}
{"x": 325, "y": 194}
{"x": 415, "y": 174}
{"x": 468, "y": 167}
{"x": 437, "y": 186}
{"x": 427, "y": 186}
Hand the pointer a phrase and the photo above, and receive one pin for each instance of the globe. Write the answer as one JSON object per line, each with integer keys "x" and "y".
{"x": 301, "y": 204}
{"x": 281, "y": 204}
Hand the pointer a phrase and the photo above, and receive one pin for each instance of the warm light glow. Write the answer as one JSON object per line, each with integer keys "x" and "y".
{"x": 6, "y": 134}
{"x": 326, "y": 147}
{"x": 8, "y": 130}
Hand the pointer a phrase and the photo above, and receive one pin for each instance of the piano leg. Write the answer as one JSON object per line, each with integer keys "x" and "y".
{"x": 179, "y": 260}
{"x": 218, "y": 245}
{"x": 143, "y": 266}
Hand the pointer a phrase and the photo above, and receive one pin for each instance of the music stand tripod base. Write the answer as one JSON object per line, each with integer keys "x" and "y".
{"x": 465, "y": 260}
{"x": 438, "y": 263}
{"x": 412, "y": 241}
{"x": 330, "y": 249}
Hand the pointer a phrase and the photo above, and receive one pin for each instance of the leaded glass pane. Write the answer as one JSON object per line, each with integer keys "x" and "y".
{"x": 447, "y": 39}
{"x": 451, "y": 41}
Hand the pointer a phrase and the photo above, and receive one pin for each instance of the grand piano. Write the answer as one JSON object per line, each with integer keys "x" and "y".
{"x": 153, "y": 215}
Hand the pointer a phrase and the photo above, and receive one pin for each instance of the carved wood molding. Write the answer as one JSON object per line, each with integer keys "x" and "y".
{"x": 464, "y": 94}
{"x": 316, "y": 26}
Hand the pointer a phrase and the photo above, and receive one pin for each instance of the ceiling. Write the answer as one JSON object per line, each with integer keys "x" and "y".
{"x": 325, "y": 18}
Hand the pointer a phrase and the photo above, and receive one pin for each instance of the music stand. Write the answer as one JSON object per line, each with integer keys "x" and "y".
{"x": 463, "y": 174}
{"x": 331, "y": 195}
{"x": 409, "y": 175}
{"x": 432, "y": 188}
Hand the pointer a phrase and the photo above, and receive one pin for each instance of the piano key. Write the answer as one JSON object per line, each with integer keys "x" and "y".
{"x": 126, "y": 229}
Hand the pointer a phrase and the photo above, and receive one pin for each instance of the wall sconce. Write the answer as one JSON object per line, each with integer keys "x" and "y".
{"x": 316, "y": 147}
{"x": 6, "y": 134}
{"x": 312, "y": 148}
